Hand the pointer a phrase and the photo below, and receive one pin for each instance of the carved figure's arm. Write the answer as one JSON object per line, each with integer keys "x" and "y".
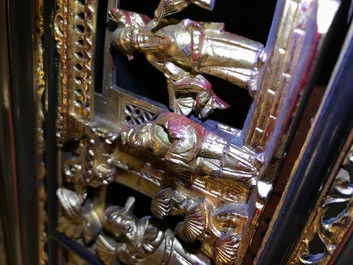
{"x": 180, "y": 82}
{"x": 128, "y": 18}
{"x": 169, "y": 7}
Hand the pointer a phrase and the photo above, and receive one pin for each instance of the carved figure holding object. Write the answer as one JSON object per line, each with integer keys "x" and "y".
{"x": 169, "y": 7}
{"x": 219, "y": 229}
{"x": 185, "y": 145}
{"x": 141, "y": 241}
{"x": 184, "y": 52}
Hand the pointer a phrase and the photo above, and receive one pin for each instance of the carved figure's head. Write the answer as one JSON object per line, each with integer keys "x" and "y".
{"x": 138, "y": 136}
{"x": 136, "y": 32}
{"x": 124, "y": 39}
{"x": 128, "y": 24}
{"x": 121, "y": 222}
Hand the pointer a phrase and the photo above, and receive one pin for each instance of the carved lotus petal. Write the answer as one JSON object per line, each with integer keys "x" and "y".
{"x": 194, "y": 224}
{"x": 161, "y": 203}
{"x": 226, "y": 250}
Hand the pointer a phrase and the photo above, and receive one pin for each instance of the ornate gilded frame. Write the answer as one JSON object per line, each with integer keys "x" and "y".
{"x": 79, "y": 148}
{"x": 99, "y": 157}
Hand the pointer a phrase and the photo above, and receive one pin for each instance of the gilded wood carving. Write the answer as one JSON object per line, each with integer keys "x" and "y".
{"x": 39, "y": 85}
{"x": 217, "y": 178}
{"x": 332, "y": 216}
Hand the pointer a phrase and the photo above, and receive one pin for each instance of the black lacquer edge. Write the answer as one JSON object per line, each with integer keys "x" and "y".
{"x": 51, "y": 81}
{"x": 9, "y": 208}
{"x": 100, "y": 45}
{"x": 322, "y": 148}
{"x": 76, "y": 248}
{"x": 346, "y": 255}
{"x": 20, "y": 14}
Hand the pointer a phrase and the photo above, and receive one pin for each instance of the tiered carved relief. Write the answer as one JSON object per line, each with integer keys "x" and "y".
{"x": 216, "y": 177}
{"x": 331, "y": 219}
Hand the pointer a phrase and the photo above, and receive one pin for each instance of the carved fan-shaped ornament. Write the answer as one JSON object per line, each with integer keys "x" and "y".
{"x": 194, "y": 224}
{"x": 161, "y": 203}
{"x": 226, "y": 249}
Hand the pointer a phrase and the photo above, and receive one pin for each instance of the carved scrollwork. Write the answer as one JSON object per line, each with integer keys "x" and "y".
{"x": 331, "y": 219}
{"x": 91, "y": 160}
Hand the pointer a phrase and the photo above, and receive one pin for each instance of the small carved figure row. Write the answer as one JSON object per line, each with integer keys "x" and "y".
{"x": 120, "y": 235}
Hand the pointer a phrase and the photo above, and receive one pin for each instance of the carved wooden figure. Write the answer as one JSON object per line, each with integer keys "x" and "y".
{"x": 183, "y": 51}
{"x": 141, "y": 241}
{"x": 185, "y": 145}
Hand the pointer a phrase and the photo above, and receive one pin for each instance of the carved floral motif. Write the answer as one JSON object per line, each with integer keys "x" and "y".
{"x": 39, "y": 85}
{"x": 91, "y": 160}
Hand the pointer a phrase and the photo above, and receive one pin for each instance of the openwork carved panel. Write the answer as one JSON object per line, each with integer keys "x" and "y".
{"x": 332, "y": 218}
{"x": 206, "y": 183}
